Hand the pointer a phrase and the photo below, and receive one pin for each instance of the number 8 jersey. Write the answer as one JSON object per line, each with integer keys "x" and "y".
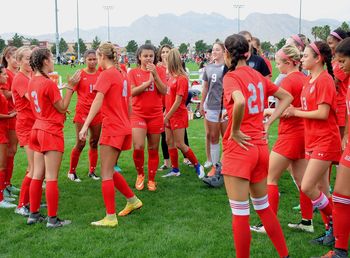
{"x": 255, "y": 89}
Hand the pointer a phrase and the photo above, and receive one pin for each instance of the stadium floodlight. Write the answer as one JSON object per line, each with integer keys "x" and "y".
{"x": 57, "y": 36}
{"x": 300, "y": 4}
{"x": 78, "y": 45}
{"x": 238, "y": 7}
{"x": 108, "y": 8}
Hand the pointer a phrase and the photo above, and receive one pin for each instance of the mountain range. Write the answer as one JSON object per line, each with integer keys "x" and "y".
{"x": 192, "y": 26}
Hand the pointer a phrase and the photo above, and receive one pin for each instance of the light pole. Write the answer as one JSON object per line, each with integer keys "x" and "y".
{"x": 78, "y": 30}
{"x": 57, "y": 36}
{"x": 300, "y": 3}
{"x": 108, "y": 7}
{"x": 238, "y": 6}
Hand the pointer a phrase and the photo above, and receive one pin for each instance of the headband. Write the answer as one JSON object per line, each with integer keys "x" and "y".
{"x": 298, "y": 40}
{"x": 315, "y": 48}
{"x": 282, "y": 54}
{"x": 336, "y": 35}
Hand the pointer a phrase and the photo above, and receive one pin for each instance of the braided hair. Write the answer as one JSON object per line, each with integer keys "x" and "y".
{"x": 37, "y": 60}
{"x": 325, "y": 54}
{"x": 110, "y": 51}
{"x": 237, "y": 47}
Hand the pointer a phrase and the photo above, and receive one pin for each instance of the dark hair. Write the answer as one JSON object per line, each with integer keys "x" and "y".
{"x": 344, "y": 47}
{"x": 7, "y": 52}
{"x": 159, "y": 54}
{"x": 146, "y": 47}
{"x": 88, "y": 52}
{"x": 326, "y": 55}
{"x": 1, "y": 67}
{"x": 238, "y": 48}
{"x": 37, "y": 60}
{"x": 244, "y": 33}
{"x": 341, "y": 33}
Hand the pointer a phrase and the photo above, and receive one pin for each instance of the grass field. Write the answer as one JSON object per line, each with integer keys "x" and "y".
{"x": 183, "y": 218}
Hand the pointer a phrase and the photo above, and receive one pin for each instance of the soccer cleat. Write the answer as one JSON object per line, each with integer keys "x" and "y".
{"x": 93, "y": 176}
{"x": 211, "y": 172}
{"x": 187, "y": 162}
{"x": 7, "y": 193}
{"x": 117, "y": 168}
{"x": 35, "y": 218}
{"x": 304, "y": 225}
{"x": 6, "y": 205}
{"x": 163, "y": 167}
{"x": 329, "y": 238}
{"x": 9, "y": 199}
{"x": 318, "y": 240}
{"x": 130, "y": 207}
{"x": 140, "y": 182}
{"x": 208, "y": 164}
{"x": 173, "y": 172}
{"x": 73, "y": 177}
{"x": 13, "y": 189}
{"x": 152, "y": 186}
{"x": 108, "y": 221}
{"x": 259, "y": 228}
{"x": 336, "y": 253}
{"x": 297, "y": 208}
{"x": 23, "y": 211}
{"x": 55, "y": 222}
{"x": 200, "y": 171}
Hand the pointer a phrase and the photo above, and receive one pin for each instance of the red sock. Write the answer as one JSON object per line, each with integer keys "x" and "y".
{"x": 24, "y": 193}
{"x": 52, "y": 195}
{"x": 139, "y": 159}
{"x": 35, "y": 192}
{"x": 108, "y": 194}
{"x": 341, "y": 222}
{"x": 74, "y": 159}
{"x": 93, "y": 157}
{"x": 271, "y": 224}
{"x": 153, "y": 162}
{"x": 323, "y": 204}
{"x": 2, "y": 184}
{"x": 174, "y": 158}
{"x": 122, "y": 186}
{"x": 9, "y": 170}
{"x": 190, "y": 155}
{"x": 273, "y": 194}
{"x": 306, "y": 207}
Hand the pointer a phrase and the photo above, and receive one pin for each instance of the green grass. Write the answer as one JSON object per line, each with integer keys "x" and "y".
{"x": 183, "y": 218}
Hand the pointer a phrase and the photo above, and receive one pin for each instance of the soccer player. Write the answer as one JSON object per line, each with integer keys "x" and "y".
{"x": 147, "y": 87}
{"x": 245, "y": 150}
{"x": 46, "y": 139}
{"x": 10, "y": 63}
{"x": 113, "y": 98}
{"x": 4, "y": 117}
{"x": 24, "y": 122}
{"x": 86, "y": 95}
{"x": 322, "y": 137}
{"x": 211, "y": 105}
{"x": 176, "y": 114}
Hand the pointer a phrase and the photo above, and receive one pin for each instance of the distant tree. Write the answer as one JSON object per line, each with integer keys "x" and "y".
{"x": 148, "y": 41}
{"x": 17, "y": 40}
{"x": 218, "y": 40}
{"x": 315, "y": 31}
{"x": 63, "y": 46}
{"x": 166, "y": 41}
{"x": 96, "y": 43}
{"x": 324, "y": 32}
{"x": 81, "y": 45}
{"x": 266, "y": 46}
{"x": 53, "y": 49}
{"x": 281, "y": 43}
{"x": 201, "y": 46}
{"x": 33, "y": 42}
{"x": 132, "y": 46}
{"x": 2, "y": 44}
{"x": 345, "y": 26}
{"x": 183, "y": 48}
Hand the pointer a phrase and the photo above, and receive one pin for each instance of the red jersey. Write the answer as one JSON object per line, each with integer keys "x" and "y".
{"x": 4, "y": 111}
{"x": 115, "y": 108}
{"x": 22, "y": 104}
{"x": 348, "y": 103}
{"x": 149, "y": 102}
{"x": 255, "y": 89}
{"x": 320, "y": 134}
{"x": 8, "y": 86}
{"x": 342, "y": 83}
{"x": 177, "y": 86}
{"x": 268, "y": 63}
{"x": 85, "y": 91}
{"x": 43, "y": 94}
{"x": 293, "y": 126}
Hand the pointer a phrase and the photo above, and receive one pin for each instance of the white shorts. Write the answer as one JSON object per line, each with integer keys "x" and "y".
{"x": 213, "y": 115}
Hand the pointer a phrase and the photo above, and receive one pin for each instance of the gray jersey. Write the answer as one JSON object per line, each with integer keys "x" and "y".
{"x": 213, "y": 75}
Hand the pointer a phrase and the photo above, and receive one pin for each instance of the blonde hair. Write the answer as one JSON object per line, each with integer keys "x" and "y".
{"x": 20, "y": 52}
{"x": 293, "y": 54}
{"x": 175, "y": 63}
{"x": 110, "y": 51}
{"x": 8, "y": 51}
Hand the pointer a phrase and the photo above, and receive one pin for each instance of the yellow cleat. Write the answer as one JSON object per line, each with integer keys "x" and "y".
{"x": 152, "y": 186}
{"x": 140, "y": 182}
{"x": 108, "y": 221}
{"x": 130, "y": 207}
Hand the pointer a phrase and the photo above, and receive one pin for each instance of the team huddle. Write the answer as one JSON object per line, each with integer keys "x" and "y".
{"x": 121, "y": 109}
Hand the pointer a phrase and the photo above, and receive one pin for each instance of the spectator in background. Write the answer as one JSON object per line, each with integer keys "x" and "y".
{"x": 258, "y": 51}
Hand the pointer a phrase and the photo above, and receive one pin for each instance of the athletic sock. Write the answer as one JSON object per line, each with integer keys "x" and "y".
{"x": 153, "y": 162}
{"x": 139, "y": 159}
{"x": 190, "y": 155}
{"x": 341, "y": 222}
{"x": 306, "y": 207}
{"x": 2, "y": 184}
{"x": 9, "y": 170}
{"x": 93, "y": 157}
{"x": 323, "y": 204}
{"x": 35, "y": 192}
{"x": 122, "y": 186}
{"x": 108, "y": 194}
{"x": 271, "y": 224}
{"x": 174, "y": 158}
{"x": 240, "y": 228}
{"x": 273, "y": 194}
{"x": 74, "y": 159}
{"x": 24, "y": 193}
{"x": 215, "y": 153}
{"x": 52, "y": 195}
